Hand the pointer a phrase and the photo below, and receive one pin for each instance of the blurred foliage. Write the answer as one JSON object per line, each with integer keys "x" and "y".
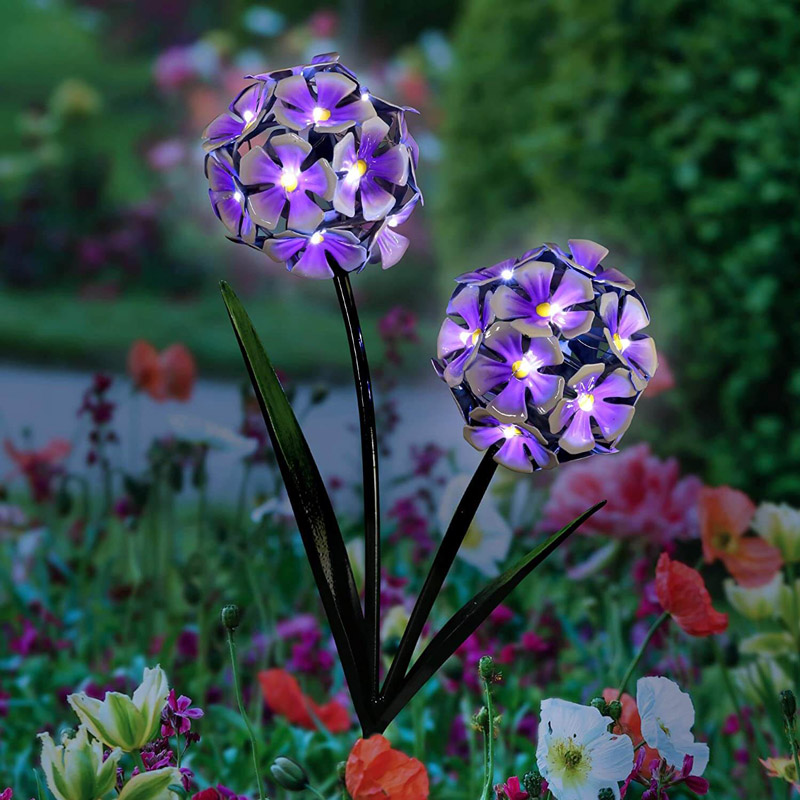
{"x": 670, "y": 126}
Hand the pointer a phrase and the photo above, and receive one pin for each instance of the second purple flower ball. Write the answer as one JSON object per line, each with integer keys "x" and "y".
{"x": 545, "y": 355}
{"x": 310, "y": 167}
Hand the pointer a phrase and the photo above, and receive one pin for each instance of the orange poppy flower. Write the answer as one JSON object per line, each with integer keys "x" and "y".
{"x": 375, "y": 771}
{"x": 630, "y": 723}
{"x": 284, "y": 696}
{"x": 725, "y": 515}
{"x": 168, "y": 375}
{"x": 684, "y": 596}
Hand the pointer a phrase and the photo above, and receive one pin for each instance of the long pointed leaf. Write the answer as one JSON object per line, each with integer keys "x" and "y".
{"x": 467, "y": 619}
{"x": 312, "y": 508}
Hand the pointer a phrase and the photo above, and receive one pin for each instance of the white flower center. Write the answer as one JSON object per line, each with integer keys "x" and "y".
{"x": 289, "y": 179}
{"x": 620, "y": 343}
{"x": 510, "y": 431}
{"x": 570, "y": 762}
{"x": 357, "y": 171}
{"x": 317, "y": 238}
{"x": 320, "y": 114}
{"x": 586, "y": 401}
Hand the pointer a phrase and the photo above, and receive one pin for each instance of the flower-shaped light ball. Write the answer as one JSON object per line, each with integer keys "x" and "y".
{"x": 309, "y": 167}
{"x": 545, "y": 355}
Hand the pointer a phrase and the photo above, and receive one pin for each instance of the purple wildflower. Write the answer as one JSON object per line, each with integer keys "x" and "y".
{"x": 281, "y": 180}
{"x": 390, "y": 244}
{"x": 333, "y": 107}
{"x": 521, "y": 446}
{"x": 227, "y": 195}
{"x": 462, "y": 341}
{"x": 311, "y": 255}
{"x": 177, "y": 716}
{"x": 542, "y": 310}
{"x": 518, "y": 372}
{"x": 241, "y": 118}
{"x": 360, "y": 170}
{"x": 591, "y": 402}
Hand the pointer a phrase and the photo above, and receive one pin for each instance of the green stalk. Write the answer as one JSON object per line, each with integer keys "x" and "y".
{"x": 638, "y": 657}
{"x": 237, "y": 690}
{"x": 489, "y": 744}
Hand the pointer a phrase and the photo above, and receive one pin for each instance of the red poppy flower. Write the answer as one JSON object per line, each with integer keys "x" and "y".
{"x": 375, "y": 771}
{"x": 725, "y": 515}
{"x": 168, "y": 375}
{"x": 684, "y": 596}
{"x": 39, "y": 466}
{"x": 284, "y": 697}
{"x": 630, "y": 723}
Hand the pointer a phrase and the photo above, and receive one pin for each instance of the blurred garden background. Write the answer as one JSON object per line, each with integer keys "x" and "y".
{"x": 667, "y": 130}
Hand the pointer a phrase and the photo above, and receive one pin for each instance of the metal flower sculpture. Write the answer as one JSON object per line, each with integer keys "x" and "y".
{"x": 309, "y": 167}
{"x": 545, "y": 355}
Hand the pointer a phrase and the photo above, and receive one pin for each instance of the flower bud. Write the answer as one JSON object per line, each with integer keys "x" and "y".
{"x": 341, "y": 770}
{"x": 289, "y": 774}
{"x": 486, "y": 669}
{"x": 155, "y": 785}
{"x": 788, "y": 705}
{"x": 615, "y": 710}
{"x": 532, "y": 783}
{"x": 600, "y": 704}
{"x": 606, "y": 794}
{"x": 481, "y": 720}
{"x": 75, "y": 769}
{"x": 121, "y": 721}
{"x": 231, "y": 617}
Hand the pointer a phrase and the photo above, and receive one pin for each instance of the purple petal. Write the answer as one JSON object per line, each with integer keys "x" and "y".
{"x": 633, "y": 317}
{"x": 454, "y": 371}
{"x": 342, "y": 117}
{"x": 250, "y": 102}
{"x": 535, "y": 278}
{"x": 484, "y": 436}
{"x": 399, "y": 217}
{"x": 284, "y": 248}
{"x": 617, "y": 384}
{"x": 223, "y": 129}
{"x": 609, "y": 311}
{"x": 546, "y": 351}
{"x": 586, "y": 253}
{"x": 318, "y": 178}
{"x": 294, "y": 90}
{"x": 344, "y": 196}
{"x": 304, "y": 214}
{"x": 485, "y": 374}
{"x": 220, "y": 175}
{"x": 574, "y": 323}
{"x": 267, "y": 206}
{"x": 292, "y": 118}
{"x": 349, "y": 255}
{"x": 513, "y": 454}
{"x": 344, "y": 154}
{"x": 465, "y": 305}
{"x": 229, "y": 210}
{"x": 313, "y": 263}
{"x": 511, "y": 400}
{"x": 546, "y": 390}
{"x": 641, "y": 354}
{"x": 392, "y": 245}
{"x": 613, "y": 419}
{"x": 373, "y": 132}
{"x": 257, "y": 167}
{"x": 332, "y": 88}
{"x": 574, "y": 288}
{"x": 376, "y": 202}
{"x": 505, "y": 341}
{"x": 578, "y": 437}
{"x": 391, "y": 166}
{"x": 615, "y": 278}
{"x": 291, "y": 150}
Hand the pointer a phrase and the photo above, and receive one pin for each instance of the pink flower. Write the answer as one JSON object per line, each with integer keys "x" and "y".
{"x": 177, "y": 716}
{"x": 6, "y": 794}
{"x": 511, "y": 790}
{"x": 646, "y": 497}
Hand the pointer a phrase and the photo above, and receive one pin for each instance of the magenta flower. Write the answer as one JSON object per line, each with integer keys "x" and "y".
{"x": 312, "y": 255}
{"x": 177, "y": 716}
{"x": 227, "y": 195}
{"x": 541, "y": 310}
{"x": 522, "y": 445}
{"x": 241, "y": 118}
{"x": 462, "y": 340}
{"x": 511, "y": 790}
{"x": 517, "y": 374}
{"x": 636, "y": 350}
{"x": 6, "y": 794}
{"x": 334, "y": 106}
{"x": 277, "y": 181}
{"x": 364, "y": 171}
{"x": 574, "y": 415}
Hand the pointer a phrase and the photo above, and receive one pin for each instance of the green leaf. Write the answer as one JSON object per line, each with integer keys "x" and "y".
{"x": 467, "y": 619}
{"x": 312, "y": 508}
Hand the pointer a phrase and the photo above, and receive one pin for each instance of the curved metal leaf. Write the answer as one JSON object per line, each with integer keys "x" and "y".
{"x": 467, "y": 619}
{"x": 312, "y": 508}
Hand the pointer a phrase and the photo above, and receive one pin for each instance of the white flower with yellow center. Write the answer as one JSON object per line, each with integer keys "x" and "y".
{"x": 780, "y": 526}
{"x": 489, "y": 536}
{"x": 576, "y": 754}
{"x": 667, "y": 718}
{"x": 121, "y": 721}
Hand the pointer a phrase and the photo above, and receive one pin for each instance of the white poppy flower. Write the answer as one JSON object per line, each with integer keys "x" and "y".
{"x": 780, "y": 526}
{"x": 667, "y": 718}
{"x": 762, "y": 602}
{"x": 577, "y": 755}
{"x": 488, "y": 538}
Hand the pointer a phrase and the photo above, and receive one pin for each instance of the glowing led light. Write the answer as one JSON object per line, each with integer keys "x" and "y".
{"x": 365, "y": 96}
{"x": 507, "y": 274}
{"x": 321, "y": 114}
{"x": 237, "y": 196}
{"x": 392, "y": 222}
{"x": 620, "y": 343}
{"x": 548, "y": 310}
{"x": 585, "y": 401}
{"x": 248, "y": 115}
{"x": 317, "y": 238}
{"x": 357, "y": 171}
{"x": 289, "y": 180}
{"x": 510, "y": 431}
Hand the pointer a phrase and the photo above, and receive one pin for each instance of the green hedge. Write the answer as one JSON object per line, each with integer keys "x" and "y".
{"x": 670, "y": 126}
